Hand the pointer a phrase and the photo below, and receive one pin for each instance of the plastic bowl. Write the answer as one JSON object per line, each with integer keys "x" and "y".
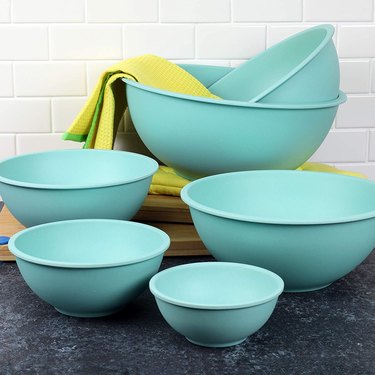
{"x": 216, "y": 304}
{"x": 310, "y": 228}
{"x": 91, "y": 267}
{"x": 199, "y": 137}
{"x": 75, "y": 184}
{"x": 303, "y": 68}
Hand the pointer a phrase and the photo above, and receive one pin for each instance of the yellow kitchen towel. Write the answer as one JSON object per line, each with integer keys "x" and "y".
{"x": 167, "y": 182}
{"x": 318, "y": 167}
{"x": 95, "y": 125}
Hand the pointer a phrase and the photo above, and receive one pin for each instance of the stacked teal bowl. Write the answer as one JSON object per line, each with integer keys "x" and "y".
{"x": 290, "y": 96}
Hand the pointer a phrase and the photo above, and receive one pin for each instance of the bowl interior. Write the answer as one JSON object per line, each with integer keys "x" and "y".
{"x": 215, "y": 285}
{"x": 76, "y": 168}
{"x": 289, "y": 197}
{"x": 276, "y": 63}
{"x": 89, "y": 243}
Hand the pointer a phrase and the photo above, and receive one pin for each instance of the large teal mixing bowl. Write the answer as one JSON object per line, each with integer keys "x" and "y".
{"x": 91, "y": 267}
{"x": 75, "y": 184}
{"x": 303, "y": 68}
{"x": 310, "y": 228}
{"x": 199, "y": 137}
{"x": 216, "y": 304}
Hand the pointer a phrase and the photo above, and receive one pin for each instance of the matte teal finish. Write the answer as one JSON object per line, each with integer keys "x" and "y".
{"x": 303, "y": 68}
{"x": 75, "y": 184}
{"x": 216, "y": 304}
{"x": 199, "y": 137}
{"x": 207, "y": 74}
{"x": 89, "y": 268}
{"x": 310, "y": 228}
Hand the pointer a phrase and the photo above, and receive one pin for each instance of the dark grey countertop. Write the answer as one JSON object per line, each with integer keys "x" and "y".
{"x": 331, "y": 331}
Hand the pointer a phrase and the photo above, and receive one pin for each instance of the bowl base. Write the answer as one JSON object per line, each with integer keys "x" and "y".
{"x": 219, "y": 345}
{"x": 87, "y": 315}
{"x": 287, "y": 290}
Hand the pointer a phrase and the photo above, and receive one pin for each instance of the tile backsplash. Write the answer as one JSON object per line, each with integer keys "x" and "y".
{"x": 52, "y": 52}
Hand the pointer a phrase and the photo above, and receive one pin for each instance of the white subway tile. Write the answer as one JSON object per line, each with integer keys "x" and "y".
{"x": 267, "y": 10}
{"x": 64, "y": 111}
{"x": 48, "y": 10}
{"x": 6, "y": 79}
{"x": 202, "y": 62}
{"x": 122, "y": 10}
{"x": 25, "y": 115}
{"x": 236, "y": 63}
{"x": 79, "y": 42}
{"x": 372, "y": 146}
{"x": 357, "y": 41}
{"x": 4, "y": 10}
{"x": 229, "y": 42}
{"x": 358, "y": 111}
{"x": 94, "y": 70}
{"x": 195, "y": 10}
{"x": 342, "y": 147}
{"x": 277, "y": 33}
{"x": 19, "y": 42}
{"x": 373, "y": 76}
{"x": 367, "y": 169}
{"x": 27, "y": 143}
{"x": 338, "y": 10}
{"x": 7, "y": 146}
{"x": 355, "y": 76}
{"x": 50, "y": 78}
{"x": 168, "y": 41}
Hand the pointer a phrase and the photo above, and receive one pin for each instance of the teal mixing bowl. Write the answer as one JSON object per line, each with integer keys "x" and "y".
{"x": 310, "y": 228}
{"x": 199, "y": 137}
{"x": 303, "y": 68}
{"x": 216, "y": 304}
{"x": 75, "y": 184}
{"x": 90, "y": 267}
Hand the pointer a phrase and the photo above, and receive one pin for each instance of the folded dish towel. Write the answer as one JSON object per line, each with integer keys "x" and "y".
{"x": 167, "y": 182}
{"x": 318, "y": 167}
{"x": 95, "y": 123}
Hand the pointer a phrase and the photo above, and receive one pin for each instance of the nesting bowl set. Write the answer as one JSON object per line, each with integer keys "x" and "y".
{"x": 271, "y": 228}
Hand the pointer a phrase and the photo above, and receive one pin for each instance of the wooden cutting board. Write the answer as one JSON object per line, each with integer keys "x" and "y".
{"x": 165, "y": 212}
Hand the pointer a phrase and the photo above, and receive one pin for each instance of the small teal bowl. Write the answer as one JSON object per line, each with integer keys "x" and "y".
{"x": 75, "y": 184}
{"x": 303, "y": 68}
{"x": 89, "y": 268}
{"x": 216, "y": 304}
{"x": 199, "y": 137}
{"x": 310, "y": 228}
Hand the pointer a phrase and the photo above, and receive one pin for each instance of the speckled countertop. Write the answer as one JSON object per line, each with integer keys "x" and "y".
{"x": 331, "y": 331}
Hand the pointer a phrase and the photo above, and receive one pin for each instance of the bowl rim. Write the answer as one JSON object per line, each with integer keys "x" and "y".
{"x": 12, "y": 246}
{"x": 341, "y": 98}
{"x": 215, "y": 264}
{"x": 9, "y": 181}
{"x": 264, "y": 220}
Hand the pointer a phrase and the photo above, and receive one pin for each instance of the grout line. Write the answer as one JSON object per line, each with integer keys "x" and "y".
{"x": 123, "y": 41}
{"x": 367, "y": 156}
{"x": 52, "y": 128}
{"x": 302, "y": 11}
{"x": 85, "y": 13}
{"x": 11, "y": 12}
{"x": 195, "y": 41}
{"x": 371, "y": 76}
{"x": 13, "y": 79}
